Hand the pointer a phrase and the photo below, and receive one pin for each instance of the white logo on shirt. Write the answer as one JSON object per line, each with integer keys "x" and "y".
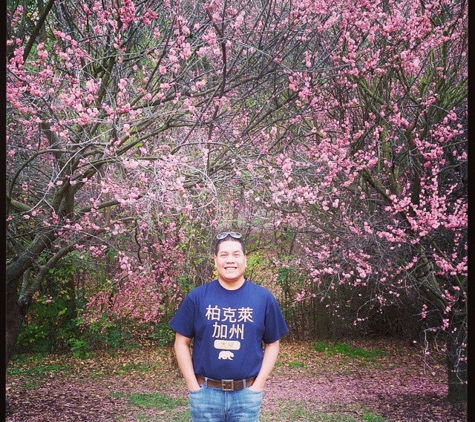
{"x": 226, "y": 354}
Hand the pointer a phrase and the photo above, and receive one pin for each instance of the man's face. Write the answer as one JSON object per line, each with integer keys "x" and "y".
{"x": 230, "y": 262}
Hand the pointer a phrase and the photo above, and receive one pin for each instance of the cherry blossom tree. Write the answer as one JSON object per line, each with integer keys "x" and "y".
{"x": 373, "y": 177}
{"x": 140, "y": 127}
{"x": 124, "y": 114}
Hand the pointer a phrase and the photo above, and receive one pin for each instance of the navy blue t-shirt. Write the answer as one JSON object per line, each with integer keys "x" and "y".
{"x": 228, "y": 327}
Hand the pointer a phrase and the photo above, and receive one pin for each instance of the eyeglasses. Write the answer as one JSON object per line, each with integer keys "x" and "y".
{"x": 223, "y": 235}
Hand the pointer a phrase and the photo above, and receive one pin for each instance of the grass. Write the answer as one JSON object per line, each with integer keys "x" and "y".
{"x": 172, "y": 408}
{"x": 135, "y": 367}
{"x": 296, "y": 364}
{"x": 152, "y": 368}
{"x": 291, "y": 410}
{"x": 40, "y": 371}
{"x": 176, "y": 410}
{"x": 158, "y": 401}
{"x": 349, "y": 351}
{"x": 171, "y": 417}
{"x": 373, "y": 417}
{"x": 33, "y": 369}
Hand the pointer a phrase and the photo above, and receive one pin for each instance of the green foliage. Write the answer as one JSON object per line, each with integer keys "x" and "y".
{"x": 255, "y": 263}
{"x": 284, "y": 278}
{"x": 54, "y": 321}
{"x": 348, "y": 350}
{"x": 107, "y": 333}
{"x": 52, "y": 318}
{"x": 80, "y": 348}
{"x": 163, "y": 334}
{"x": 34, "y": 338}
{"x": 185, "y": 283}
{"x": 49, "y": 325}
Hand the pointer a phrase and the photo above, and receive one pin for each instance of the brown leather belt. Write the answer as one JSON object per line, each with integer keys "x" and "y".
{"x": 225, "y": 385}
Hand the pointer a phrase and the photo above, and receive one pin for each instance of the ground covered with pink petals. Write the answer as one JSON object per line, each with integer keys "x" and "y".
{"x": 403, "y": 384}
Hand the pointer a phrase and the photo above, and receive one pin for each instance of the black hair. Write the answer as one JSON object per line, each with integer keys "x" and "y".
{"x": 227, "y": 238}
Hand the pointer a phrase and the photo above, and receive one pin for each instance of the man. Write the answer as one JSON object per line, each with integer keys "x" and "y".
{"x": 229, "y": 320}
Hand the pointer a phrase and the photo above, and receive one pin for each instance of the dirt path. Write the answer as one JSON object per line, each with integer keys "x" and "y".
{"x": 401, "y": 386}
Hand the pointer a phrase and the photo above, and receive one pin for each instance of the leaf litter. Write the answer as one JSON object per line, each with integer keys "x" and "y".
{"x": 403, "y": 385}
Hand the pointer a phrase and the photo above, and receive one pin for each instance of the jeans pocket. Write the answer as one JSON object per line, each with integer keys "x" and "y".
{"x": 197, "y": 391}
{"x": 254, "y": 397}
{"x": 261, "y": 392}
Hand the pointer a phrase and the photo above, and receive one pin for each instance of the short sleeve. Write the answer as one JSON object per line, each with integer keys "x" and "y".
{"x": 275, "y": 325}
{"x": 183, "y": 320}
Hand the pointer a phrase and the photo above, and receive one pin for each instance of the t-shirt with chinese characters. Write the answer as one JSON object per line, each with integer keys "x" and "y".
{"x": 228, "y": 328}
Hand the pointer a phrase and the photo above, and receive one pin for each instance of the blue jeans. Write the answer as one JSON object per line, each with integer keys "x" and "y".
{"x": 214, "y": 405}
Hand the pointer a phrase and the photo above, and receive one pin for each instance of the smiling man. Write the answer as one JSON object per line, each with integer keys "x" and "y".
{"x": 236, "y": 328}
{"x": 230, "y": 262}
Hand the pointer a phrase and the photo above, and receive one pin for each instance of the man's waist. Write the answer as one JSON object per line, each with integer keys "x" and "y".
{"x": 225, "y": 384}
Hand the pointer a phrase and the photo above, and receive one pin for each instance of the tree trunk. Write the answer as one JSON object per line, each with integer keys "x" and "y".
{"x": 15, "y": 314}
{"x": 457, "y": 365}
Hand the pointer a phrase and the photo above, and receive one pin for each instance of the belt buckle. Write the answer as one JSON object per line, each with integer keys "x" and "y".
{"x": 227, "y": 385}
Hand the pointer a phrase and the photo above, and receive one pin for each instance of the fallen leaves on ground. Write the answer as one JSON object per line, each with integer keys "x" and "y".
{"x": 403, "y": 385}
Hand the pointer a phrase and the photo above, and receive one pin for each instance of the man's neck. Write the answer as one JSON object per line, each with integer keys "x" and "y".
{"x": 231, "y": 284}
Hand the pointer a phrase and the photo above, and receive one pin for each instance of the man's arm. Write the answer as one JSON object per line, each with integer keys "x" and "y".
{"x": 271, "y": 351}
{"x": 183, "y": 357}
